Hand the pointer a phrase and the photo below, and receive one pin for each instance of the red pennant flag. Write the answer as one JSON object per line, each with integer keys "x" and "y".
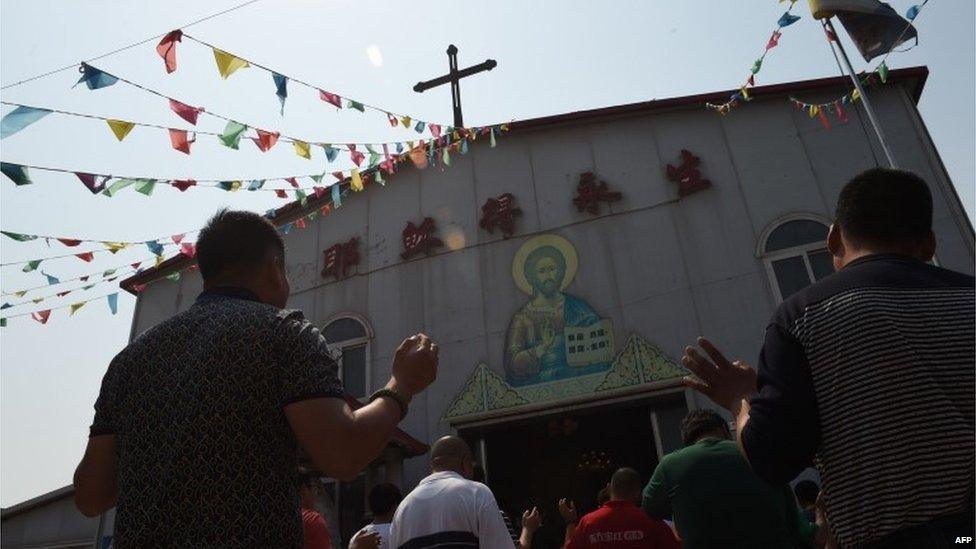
{"x": 84, "y": 278}
{"x": 138, "y": 287}
{"x": 41, "y": 316}
{"x": 319, "y": 191}
{"x": 86, "y": 257}
{"x": 841, "y": 115}
{"x": 69, "y": 242}
{"x": 183, "y": 184}
{"x": 823, "y": 118}
{"x": 338, "y": 175}
{"x": 831, "y": 37}
{"x": 330, "y": 98}
{"x": 64, "y": 293}
{"x": 393, "y": 120}
{"x": 266, "y": 140}
{"x": 752, "y": 80}
{"x": 136, "y": 265}
{"x": 419, "y": 156}
{"x": 91, "y": 181}
{"x": 293, "y": 181}
{"x": 188, "y": 249}
{"x": 325, "y": 210}
{"x": 300, "y": 223}
{"x": 185, "y": 111}
{"x": 180, "y": 140}
{"x": 356, "y": 156}
{"x": 280, "y": 193}
{"x": 167, "y": 49}
{"x": 177, "y": 238}
{"x": 773, "y": 40}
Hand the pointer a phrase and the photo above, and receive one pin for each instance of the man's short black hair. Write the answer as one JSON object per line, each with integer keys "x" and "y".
{"x": 383, "y": 498}
{"x": 883, "y": 207}
{"x": 806, "y": 492}
{"x": 625, "y": 482}
{"x": 236, "y": 241}
{"x": 701, "y": 422}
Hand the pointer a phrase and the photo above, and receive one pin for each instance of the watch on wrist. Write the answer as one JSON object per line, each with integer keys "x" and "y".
{"x": 394, "y": 396}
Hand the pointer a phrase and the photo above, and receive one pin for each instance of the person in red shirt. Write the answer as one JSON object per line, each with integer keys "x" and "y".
{"x": 618, "y": 523}
{"x": 316, "y": 533}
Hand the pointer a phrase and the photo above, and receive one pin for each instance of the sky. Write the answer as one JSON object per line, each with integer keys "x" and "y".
{"x": 554, "y": 56}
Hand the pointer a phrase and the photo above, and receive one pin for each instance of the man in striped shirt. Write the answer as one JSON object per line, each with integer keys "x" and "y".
{"x": 869, "y": 373}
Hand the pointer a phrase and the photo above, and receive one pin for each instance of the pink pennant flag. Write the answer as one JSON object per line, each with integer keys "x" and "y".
{"x": 841, "y": 115}
{"x": 266, "y": 140}
{"x": 300, "y": 223}
{"x": 69, "y": 242}
{"x": 338, "y": 175}
{"x": 136, "y": 265}
{"x": 91, "y": 181}
{"x": 183, "y": 184}
{"x": 330, "y": 98}
{"x": 280, "y": 193}
{"x": 435, "y": 130}
{"x": 185, "y": 111}
{"x": 356, "y": 156}
{"x": 325, "y": 210}
{"x": 180, "y": 140}
{"x": 64, "y": 293}
{"x": 188, "y": 249}
{"x": 138, "y": 287}
{"x": 319, "y": 191}
{"x": 177, "y": 238}
{"x": 84, "y": 278}
{"x": 773, "y": 40}
{"x": 86, "y": 257}
{"x": 41, "y": 316}
{"x": 393, "y": 120}
{"x": 292, "y": 181}
{"x": 167, "y": 49}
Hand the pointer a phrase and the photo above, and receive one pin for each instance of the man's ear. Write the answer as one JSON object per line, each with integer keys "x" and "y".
{"x": 835, "y": 244}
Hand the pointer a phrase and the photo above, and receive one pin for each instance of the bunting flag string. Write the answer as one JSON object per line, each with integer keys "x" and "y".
{"x": 44, "y": 315}
{"x": 72, "y": 242}
{"x": 113, "y": 275}
{"x": 86, "y": 256}
{"x": 100, "y": 274}
{"x": 742, "y": 94}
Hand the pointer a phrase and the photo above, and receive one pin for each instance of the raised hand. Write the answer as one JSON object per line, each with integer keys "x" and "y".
{"x": 366, "y": 541}
{"x": 726, "y": 383}
{"x": 531, "y": 521}
{"x": 414, "y": 365}
{"x": 568, "y": 511}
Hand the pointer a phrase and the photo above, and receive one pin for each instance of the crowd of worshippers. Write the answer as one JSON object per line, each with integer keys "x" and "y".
{"x": 867, "y": 375}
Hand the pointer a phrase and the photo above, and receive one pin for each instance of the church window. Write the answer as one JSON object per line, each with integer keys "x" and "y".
{"x": 794, "y": 250}
{"x": 350, "y": 337}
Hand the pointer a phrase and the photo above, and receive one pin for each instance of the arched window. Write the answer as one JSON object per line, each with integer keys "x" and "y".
{"x": 351, "y": 337}
{"x": 795, "y": 252}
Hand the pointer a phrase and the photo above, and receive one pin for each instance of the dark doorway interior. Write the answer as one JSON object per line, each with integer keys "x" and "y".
{"x": 535, "y": 462}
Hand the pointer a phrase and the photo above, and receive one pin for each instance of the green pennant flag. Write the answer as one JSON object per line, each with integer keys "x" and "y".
{"x": 301, "y": 196}
{"x": 883, "y": 72}
{"x": 757, "y": 65}
{"x": 145, "y": 186}
{"x": 446, "y": 157}
{"x": 88, "y": 287}
{"x": 3, "y": 322}
{"x": 16, "y": 173}
{"x": 232, "y": 134}
{"x": 19, "y": 237}
{"x": 312, "y": 215}
{"x": 374, "y": 159}
{"x": 117, "y": 186}
{"x": 109, "y": 272}
{"x": 355, "y": 105}
{"x": 316, "y": 178}
{"x": 175, "y": 277}
{"x": 31, "y": 265}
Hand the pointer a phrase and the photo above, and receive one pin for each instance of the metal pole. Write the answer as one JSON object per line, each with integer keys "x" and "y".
{"x": 864, "y": 99}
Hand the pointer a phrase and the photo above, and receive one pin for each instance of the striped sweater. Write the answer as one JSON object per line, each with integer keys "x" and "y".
{"x": 870, "y": 375}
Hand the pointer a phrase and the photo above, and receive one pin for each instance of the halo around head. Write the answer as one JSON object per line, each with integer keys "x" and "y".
{"x": 536, "y": 242}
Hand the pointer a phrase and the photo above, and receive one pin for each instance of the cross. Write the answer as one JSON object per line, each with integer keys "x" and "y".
{"x": 454, "y": 77}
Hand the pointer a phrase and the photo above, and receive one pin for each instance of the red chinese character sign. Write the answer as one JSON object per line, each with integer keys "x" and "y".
{"x": 501, "y": 213}
{"x": 590, "y": 193}
{"x": 687, "y": 176}
{"x": 340, "y": 258}
{"x": 419, "y": 239}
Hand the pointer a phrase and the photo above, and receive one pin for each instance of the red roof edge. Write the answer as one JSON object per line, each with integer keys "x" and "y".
{"x": 294, "y": 210}
{"x": 410, "y": 445}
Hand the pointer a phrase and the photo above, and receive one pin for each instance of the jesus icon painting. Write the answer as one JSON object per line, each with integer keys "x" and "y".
{"x": 554, "y": 335}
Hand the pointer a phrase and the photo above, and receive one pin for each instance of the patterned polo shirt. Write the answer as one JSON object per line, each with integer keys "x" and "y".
{"x": 205, "y": 455}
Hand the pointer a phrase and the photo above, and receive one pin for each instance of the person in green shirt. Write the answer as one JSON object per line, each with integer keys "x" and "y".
{"x": 715, "y": 498}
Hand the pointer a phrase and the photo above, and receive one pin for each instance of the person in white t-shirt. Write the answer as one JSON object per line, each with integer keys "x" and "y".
{"x": 383, "y": 501}
{"x": 448, "y": 509}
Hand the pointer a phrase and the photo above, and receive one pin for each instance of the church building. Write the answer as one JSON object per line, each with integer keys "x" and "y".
{"x": 563, "y": 269}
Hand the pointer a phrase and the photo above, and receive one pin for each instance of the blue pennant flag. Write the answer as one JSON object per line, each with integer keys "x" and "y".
{"x": 113, "y": 302}
{"x": 286, "y": 228}
{"x": 336, "y": 196}
{"x": 912, "y": 12}
{"x": 330, "y": 152}
{"x": 155, "y": 247}
{"x": 255, "y": 185}
{"x": 281, "y": 83}
{"x": 50, "y": 279}
{"x": 16, "y": 173}
{"x": 95, "y": 79}
{"x": 788, "y": 19}
{"x": 20, "y": 118}
{"x": 419, "y": 128}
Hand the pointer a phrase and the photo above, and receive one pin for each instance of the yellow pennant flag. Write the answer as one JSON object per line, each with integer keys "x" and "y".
{"x": 159, "y": 260}
{"x": 115, "y": 246}
{"x": 302, "y": 149}
{"x": 406, "y": 121}
{"x": 38, "y": 299}
{"x": 814, "y": 110}
{"x": 855, "y": 95}
{"x": 20, "y": 293}
{"x": 120, "y": 128}
{"x": 75, "y": 306}
{"x": 356, "y": 181}
{"x": 227, "y": 64}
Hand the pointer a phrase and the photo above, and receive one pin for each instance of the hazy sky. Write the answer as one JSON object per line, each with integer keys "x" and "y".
{"x": 553, "y": 57}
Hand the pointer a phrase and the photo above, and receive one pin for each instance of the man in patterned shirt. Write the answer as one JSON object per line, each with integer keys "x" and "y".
{"x": 200, "y": 419}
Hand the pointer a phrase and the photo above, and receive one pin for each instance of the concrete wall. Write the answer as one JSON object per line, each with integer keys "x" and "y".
{"x": 53, "y": 524}
{"x": 666, "y": 269}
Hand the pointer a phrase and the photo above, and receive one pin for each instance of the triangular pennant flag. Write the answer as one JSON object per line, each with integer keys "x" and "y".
{"x": 355, "y": 180}
{"x": 292, "y": 181}
{"x": 378, "y": 177}
{"x": 281, "y": 193}
{"x": 912, "y": 12}
{"x": 302, "y": 149}
{"x": 831, "y": 37}
{"x": 823, "y": 119}
{"x": 5, "y": 306}
{"x": 883, "y": 72}
{"x": 464, "y": 146}
{"x": 185, "y": 111}
{"x": 19, "y": 237}
{"x": 393, "y": 120}
{"x": 16, "y": 173}
{"x": 32, "y": 265}
{"x": 3, "y": 322}
{"x": 841, "y": 115}
{"x": 94, "y": 78}
{"x": 228, "y": 64}
{"x": 330, "y": 152}
{"x": 301, "y": 196}
{"x": 75, "y": 306}
{"x": 20, "y": 118}
{"x": 177, "y": 238}
{"x": 419, "y": 128}
{"x": 91, "y": 181}
{"x": 330, "y": 98}
{"x": 232, "y": 134}
{"x": 773, "y": 40}
{"x": 113, "y": 302}
{"x": 174, "y": 277}
{"x": 316, "y": 178}
{"x": 350, "y": 104}
{"x": 356, "y": 156}
{"x": 188, "y": 249}
{"x": 229, "y": 186}
{"x": 167, "y": 49}
{"x": 50, "y": 279}
{"x": 281, "y": 87}
{"x": 41, "y": 316}
{"x": 339, "y": 176}
{"x": 319, "y": 191}
{"x": 406, "y": 121}
{"x": 159, "y": 260}
{"x": 757, "y": 65}
{"x": 446, "y": 157}
{"x": 787, "y": 19}
{"x": 115, "y": 247}
{"x": 435, "y": 130}
{"x": 37, "y": 299}
{"x": 120, "y": 128}
{"x": 64, "y": 293}
{"x": 255, "y": 184}
{"x": 286, "y": 228}
{"x": 135, "y": 265}
{"x": 492, "y": 140}
{"x": 180, "y": 140}
{"x": 336, "y": 195}
{"x": 83, "y": 278}
{"x": 119, "y": 184}
{"x": 752, "y": 80}
{"x": 86, "y": 257}
{"x": 266, "y": 140}
{"x": 139, "y": 287}
{"x": 183, "y": 184}
{"x": 300, "y": 223}
{"x": 109, "y": 272}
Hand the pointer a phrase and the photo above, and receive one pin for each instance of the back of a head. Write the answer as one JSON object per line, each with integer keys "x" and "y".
{"x": 806, "y": 492}
{"x": 235, "y": 245}
{"x": 886, "y": 209}
{"x": 625, "y": 484}
{"x": 699, "y": 423}
{"x": 451, "y": 453}
{"x": 383, "y": 499}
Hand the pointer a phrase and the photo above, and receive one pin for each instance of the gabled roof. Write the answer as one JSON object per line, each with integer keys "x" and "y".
{"x": 43, "y": 499}
{"x": 915, "y": 76}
